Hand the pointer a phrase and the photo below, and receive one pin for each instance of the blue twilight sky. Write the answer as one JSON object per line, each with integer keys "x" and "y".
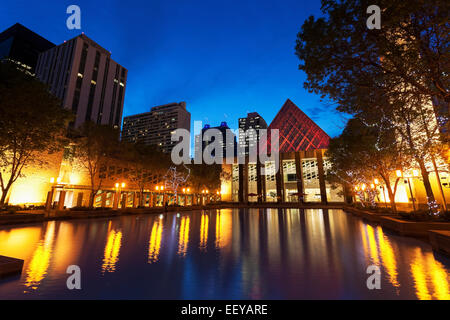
{"x": 224, "y": 58}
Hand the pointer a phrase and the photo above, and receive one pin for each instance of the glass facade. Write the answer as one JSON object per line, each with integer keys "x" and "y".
{"x": 309, "y": 182}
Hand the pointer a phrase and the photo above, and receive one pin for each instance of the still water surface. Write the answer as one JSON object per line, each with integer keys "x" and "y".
{"x": 223, "y": 254}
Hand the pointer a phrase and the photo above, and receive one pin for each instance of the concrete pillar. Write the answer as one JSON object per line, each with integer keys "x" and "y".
{"x": 150, "y": 202}
{"x": 263, "y": 184}
{"x": 80, "y": 199}
{"x": 116, "y": 200}
{"x": 103, "y": 199}
{"x": 241, "y": 183}
{"x": 135, "y": 199}
{"x": 62, "y": 197}
{"x": 323, "y": 190}
{"x": 299, "y": 173}
{"x": 123, "y": 202}
{"x": 259, "y": 187}
{"x": 48, "y": 203}
{"x": 279, "y": 177}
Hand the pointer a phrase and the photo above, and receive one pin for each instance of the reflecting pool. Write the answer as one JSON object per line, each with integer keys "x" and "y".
{"x": 222, "y": 254}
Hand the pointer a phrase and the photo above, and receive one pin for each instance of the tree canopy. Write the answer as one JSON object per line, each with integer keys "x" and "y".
{"x": 32, "y": 122}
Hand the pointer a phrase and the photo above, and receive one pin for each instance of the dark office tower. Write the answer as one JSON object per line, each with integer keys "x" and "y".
{"x": 22, "y": 46}
{"x": 249, "y": 138}
{"x": 225, "y": 141}
{"x": 156, "y": 127}
{"x": 82, "y": 74}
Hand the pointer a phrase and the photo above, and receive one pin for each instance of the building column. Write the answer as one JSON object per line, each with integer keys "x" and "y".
{"x": 103, "y": 199}
{"x": 241, "y": 183}
{"x": 259, "y": 186}
{"x": 62, "y": 197}
{"x": 135, "y": 199}
{"x": 116, "y": 200}
{"x": 279, "y": 177}
{"x": 150, "y": 200}
{"x": 299, "y": 174}
{"x": 323, "y": 190}
{"x": 263, "y": 183}
{"x": 246, "y": 180}
{"x": 48, "y": 203}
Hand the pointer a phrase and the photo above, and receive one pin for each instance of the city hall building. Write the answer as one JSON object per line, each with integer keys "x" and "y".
{"x": 302, "y": 166}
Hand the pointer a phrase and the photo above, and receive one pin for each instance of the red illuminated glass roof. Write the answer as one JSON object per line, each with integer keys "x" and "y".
{"x": 297, "y": 131}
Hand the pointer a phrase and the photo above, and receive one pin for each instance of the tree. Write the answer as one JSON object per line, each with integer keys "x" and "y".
{"x": 96, "y": 148}
{"x": 362, "y": 153}
{"x": 32, "y": 125}
{"x": 396, "y": 71}
{"x": 147, "y": 163}
{"x": 205, "y": 176}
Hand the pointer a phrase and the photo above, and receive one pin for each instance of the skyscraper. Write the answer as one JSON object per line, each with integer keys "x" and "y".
{"x": 249, "y": 138}
{"x": 22, "y": 46}
{"x": 225, "y": 142}
{"x": 82, "y": 74}
{"x": 156, "y": 127}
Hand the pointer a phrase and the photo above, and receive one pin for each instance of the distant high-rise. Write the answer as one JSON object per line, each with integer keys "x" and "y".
{"x": 156, "y": 127}
{"x": 22, "y": 46}
{"x": 249, "y": 138}
{"x": 225, "y": 142}
{"x": 82, "y": 74}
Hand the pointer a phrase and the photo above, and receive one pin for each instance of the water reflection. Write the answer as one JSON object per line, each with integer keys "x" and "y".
{"x": 223, "y": 229}
{"x": 260, "y": 254}
{"x": 112, "y": 250}
{"x": 204, "y": 226}
{"x": 40, "y": 261}
{"x": 388, "y": 257}
{"x": 155, "y": 241}
{"x": 183, "y": 239}
{"x": 423, "y": 269}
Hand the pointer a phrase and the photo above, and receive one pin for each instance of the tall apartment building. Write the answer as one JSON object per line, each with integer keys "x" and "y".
{"x": 22, "y": 46}
{"x": 225, "y": 142}
{"x": 252, "y": 121}
{"x": 156, "y": 127}
{"x": 82, "y": 74}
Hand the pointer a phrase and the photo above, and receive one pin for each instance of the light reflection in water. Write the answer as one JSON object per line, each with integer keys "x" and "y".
{"x": 372, "y": 244}
{"x": 388, "y": 257}
{"x": 112, "y": 250}
{"x": 183, "y": 238}
{"x": 262, "y": 254}
{"x": 38, "y": 266}
{"x": 155, "y": 241}
{"x": 204, "y": 226}
{"x": 423, "y": 269}
{"x": 223, "y": 229}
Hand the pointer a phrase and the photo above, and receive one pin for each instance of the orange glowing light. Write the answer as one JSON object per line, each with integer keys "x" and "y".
{"x": 112, "y": 249}
{"x": 155, "y": 242}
